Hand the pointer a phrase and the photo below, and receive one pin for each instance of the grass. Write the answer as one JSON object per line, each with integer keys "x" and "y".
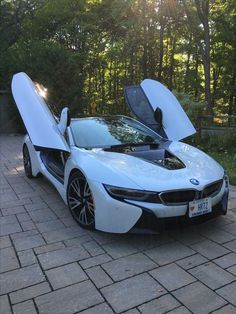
{"x": 228, "y": 161}
{"x": 220, "y": 147}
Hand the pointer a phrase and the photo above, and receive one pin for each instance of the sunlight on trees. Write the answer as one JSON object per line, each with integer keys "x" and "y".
{"x": 85, "y": 51}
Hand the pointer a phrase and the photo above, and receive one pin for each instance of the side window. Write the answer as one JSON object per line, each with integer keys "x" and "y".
{"x": 140, "y": 105}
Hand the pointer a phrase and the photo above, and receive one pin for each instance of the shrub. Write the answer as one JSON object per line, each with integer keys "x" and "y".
{"x": 216, "y": 143}
{"x": 193, "y": 108}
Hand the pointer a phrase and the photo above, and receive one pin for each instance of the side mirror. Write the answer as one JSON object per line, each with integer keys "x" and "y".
{"x": 64, "y": 120}
{"x": 158, "y": 116}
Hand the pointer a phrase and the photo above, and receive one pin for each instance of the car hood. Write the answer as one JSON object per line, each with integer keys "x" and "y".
{"x": 153, "y": 177}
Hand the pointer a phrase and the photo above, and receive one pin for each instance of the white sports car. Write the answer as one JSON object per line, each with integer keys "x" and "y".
{"x": 116, "y": 173}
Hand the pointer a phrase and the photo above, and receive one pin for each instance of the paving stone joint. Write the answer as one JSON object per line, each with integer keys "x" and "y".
{"x": 49, "y": 265}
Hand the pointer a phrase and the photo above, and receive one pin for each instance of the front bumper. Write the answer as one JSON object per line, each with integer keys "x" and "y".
{"x": 148, "y": 219}
{"x": 165, "y": 211}
{"x": 117, "y": 216}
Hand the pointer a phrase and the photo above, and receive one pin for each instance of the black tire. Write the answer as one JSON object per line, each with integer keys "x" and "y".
{"x": 80, "y": 201}
{"x": 27, "y": 162}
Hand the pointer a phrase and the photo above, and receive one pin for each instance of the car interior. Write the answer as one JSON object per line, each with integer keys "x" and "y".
{"x": 54, "y": 161}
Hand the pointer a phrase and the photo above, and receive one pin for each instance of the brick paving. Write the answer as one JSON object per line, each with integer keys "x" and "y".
{"x": 48, "y": 264}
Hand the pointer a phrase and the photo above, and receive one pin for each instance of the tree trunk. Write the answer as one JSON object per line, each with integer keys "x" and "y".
{"x": 196, "y": 73}
{"x": 232, "y": 97}
{"x": 186, "y": 78}
{"x": 172, "y": 61}
{"x": 110, "y": 79}
{"x": 115, "y": 80}
{"x": 202, "y": 7}
{"x": 161, "y": 50}
{"x": 203, "y": 15}
{"x": 216, "y": 74}
{"x": 145, "y": 39}
{"x": 161, "y": 43}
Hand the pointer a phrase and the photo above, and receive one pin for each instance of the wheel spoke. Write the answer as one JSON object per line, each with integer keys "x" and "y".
{"x": 81, "y": 201}
{"x": 83, "y": 216}
{"x": 90, "y": 204}
{"x": 91, "y": 211}
{"x": 76, "y": 188}
{"x": 87, "y": 191}
{"x": 74, "y": 202}
{"x": 26, "y": 161}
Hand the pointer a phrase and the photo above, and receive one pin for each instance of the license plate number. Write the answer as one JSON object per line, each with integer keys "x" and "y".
{"x": 199, "y": 207}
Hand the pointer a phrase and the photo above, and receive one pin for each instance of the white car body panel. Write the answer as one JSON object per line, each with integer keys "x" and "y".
{"x": 112, "y": 215}
{"x": 118, "y": 169}
{"x": 163, "y": 211}
{"x": 36, "y": 166}
{"x": 109, "y": 166}
{"x": 39, "y": 122}
{"x": 176, "y": 123}
{"x": 39, "y": 167}
{"x": 109, "y": 214}
{"x": 101, "y": 167}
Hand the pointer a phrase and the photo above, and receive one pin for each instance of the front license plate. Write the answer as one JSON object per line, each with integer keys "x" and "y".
{"x": 199, "y": 207}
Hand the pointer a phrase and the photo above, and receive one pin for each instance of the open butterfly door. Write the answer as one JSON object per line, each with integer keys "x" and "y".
{"x": 40, "y": 124}
{"x": 150, "y": 95}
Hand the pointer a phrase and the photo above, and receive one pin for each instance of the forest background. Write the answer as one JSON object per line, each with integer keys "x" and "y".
{"x": 86, "y": 51}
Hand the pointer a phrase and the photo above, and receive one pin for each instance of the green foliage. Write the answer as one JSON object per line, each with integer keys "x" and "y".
{"x": 193, "y": 108}
{"x": 219, "y": 143}
{"x": 228, "y": 161}
{"x": 221, "y": 147}
{"x": 85, "y": 51}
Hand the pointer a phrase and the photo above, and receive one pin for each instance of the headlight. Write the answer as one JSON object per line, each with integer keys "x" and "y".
{"x": 226, "y": 178}
{"x": 132, "y": 194}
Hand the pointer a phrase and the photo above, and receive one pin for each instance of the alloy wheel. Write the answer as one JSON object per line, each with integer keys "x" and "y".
{"x": 80, "y": 201}
{"x": 27, "y": 162}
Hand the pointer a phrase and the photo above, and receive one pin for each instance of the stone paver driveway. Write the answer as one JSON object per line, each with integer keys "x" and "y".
{"x": 48, "y": 264}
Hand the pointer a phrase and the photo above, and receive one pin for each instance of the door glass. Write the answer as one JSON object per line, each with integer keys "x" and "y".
{"x": 140, "y": 105}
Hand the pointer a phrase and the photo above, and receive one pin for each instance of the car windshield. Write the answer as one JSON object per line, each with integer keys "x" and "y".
{"x": 110, "y": 131}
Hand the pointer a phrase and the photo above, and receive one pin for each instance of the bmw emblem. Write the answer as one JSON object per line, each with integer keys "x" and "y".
{"x": 194, "y": 181}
